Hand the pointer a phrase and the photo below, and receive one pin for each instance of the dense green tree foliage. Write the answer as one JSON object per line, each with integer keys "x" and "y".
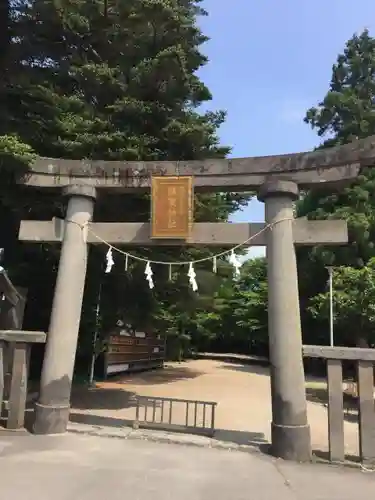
{"x": 118, "y": 81}
{"x": 115, "y": 81}
{"x": 345, "y": 114}
{"x": 354, "y": 305}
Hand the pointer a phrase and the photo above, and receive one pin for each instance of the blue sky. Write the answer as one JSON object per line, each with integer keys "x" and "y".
{"x": 270, "y": 60}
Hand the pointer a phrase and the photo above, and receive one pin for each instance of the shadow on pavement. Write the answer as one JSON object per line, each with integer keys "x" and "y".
{"x": 324, "y": 455}
{"x": 101, "y": 398}
{"x": 242, "y": 359}
{"x": 166, "y": 375}
{"x": 242, "y": 438}
{"x": 320, "y": 395}
{"x": 257, "y": 369}
{"x": 99, "y": 421}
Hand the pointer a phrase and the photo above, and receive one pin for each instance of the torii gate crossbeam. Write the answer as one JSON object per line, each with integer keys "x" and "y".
{"x": 277, "y": 180}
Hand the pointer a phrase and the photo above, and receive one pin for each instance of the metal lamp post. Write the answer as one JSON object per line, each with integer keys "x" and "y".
{"x": 330, "y": 281}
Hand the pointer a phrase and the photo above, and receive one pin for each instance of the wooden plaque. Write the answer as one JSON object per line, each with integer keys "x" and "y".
{"x": 171, "y": 207}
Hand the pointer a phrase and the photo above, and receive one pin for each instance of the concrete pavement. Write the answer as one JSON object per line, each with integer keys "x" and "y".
{"x": 75, "y": 466}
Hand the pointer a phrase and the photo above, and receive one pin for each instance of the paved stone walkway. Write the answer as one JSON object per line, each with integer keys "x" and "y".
{"x": 242, "y": 391}
{"x": 93, "y": 467}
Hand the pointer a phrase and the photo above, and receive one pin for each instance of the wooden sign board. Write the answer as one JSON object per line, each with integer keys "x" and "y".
{"x": 171, "y": 207}
{"x": 128, "y": 354}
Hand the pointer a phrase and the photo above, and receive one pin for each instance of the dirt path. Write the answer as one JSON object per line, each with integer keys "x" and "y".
{"x": 242, "y": 393}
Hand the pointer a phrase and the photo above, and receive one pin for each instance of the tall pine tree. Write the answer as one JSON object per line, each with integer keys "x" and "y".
{"x": 346, "y": 113}
{"x": 109, "y": 80}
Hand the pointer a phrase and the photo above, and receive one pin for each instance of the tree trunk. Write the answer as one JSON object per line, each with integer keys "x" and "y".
{"x": 4, "y": 33}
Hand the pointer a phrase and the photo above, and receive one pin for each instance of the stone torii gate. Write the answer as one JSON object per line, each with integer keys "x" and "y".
{"x": 277, "y": 180}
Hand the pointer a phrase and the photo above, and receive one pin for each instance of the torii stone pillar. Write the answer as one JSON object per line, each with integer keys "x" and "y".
{"x": 290, "y": 430}
{"x": 52, "y": 409}
{"x": 341, "y": 164}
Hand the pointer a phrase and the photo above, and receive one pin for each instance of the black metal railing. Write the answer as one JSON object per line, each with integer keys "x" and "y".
{"x": 181, "y": 415}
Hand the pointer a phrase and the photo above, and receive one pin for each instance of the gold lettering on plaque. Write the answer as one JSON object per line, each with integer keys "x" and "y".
{"x": 171, "y": 207}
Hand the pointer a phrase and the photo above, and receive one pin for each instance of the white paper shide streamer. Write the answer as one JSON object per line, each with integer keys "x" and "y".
{"x": 192, "y": 277}
{"x": 109, "y": 261}
{"x": 148, "y": 274}
{"x": 233, "y": 259}
{"x": 214, "y": 265}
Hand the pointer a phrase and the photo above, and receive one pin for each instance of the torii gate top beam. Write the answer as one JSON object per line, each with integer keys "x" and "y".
{"x": 321, "y": 167}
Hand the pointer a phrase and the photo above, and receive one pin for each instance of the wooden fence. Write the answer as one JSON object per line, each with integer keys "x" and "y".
{"x": 15, "y": 346}
{"x": 364, "y": 398}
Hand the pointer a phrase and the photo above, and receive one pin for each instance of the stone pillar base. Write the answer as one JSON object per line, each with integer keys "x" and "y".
{"x": 50, "y": 419}
{"x": 291, "y": 442}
